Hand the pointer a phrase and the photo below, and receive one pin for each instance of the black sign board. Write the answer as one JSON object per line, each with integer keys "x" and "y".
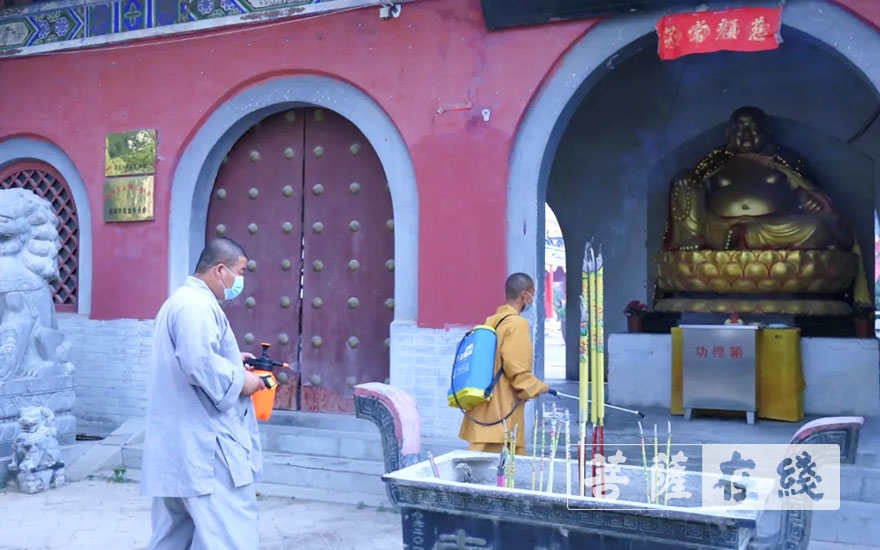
{"x": 500, "y": 14}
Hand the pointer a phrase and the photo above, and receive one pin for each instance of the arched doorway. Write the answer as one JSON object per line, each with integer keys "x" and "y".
{"x": 305, "y": 194}
{"x": 201, "y": 161}
{"x": 607, "y": 49}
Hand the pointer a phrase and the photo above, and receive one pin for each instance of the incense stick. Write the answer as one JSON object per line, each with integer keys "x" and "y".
{"x": 593, "y": 461}
{"x": 534, "y": 448}
{"x": 654, "y": 467}
{"x": 645, "y": 463}
{"x": 499, "y": 474}
{"x": 602, "y": 452}
{"x": 582, "y": 455}
{"x": 567, "y": 456}
{"x": 433, "y": 464}
{"x": 554, "y": 438}
{"x": 511, "y": 478}
{"x": 668, "y": 453}
{"x": 543, "y": 431}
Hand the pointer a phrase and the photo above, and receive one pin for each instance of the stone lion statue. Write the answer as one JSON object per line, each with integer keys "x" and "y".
{"x": 30, "y": 342}
{"x": 36, "y": 456}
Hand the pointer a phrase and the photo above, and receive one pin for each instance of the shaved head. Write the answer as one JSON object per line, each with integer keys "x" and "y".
{"x": 219, "y": 251}
{"x": 517, "y": 284}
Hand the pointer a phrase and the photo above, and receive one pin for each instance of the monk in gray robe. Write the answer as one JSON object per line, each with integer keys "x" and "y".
{"x": 202, "y": 450}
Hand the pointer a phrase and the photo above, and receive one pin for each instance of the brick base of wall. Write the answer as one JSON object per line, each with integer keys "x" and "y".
{"x": 421, "y": 364}
{"x": 112, "y": 360}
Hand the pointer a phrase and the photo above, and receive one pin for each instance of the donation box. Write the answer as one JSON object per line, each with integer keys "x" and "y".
{"x": 719, "y": 368}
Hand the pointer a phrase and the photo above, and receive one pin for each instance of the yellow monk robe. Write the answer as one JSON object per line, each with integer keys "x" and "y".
{"x": 518, "y": 382}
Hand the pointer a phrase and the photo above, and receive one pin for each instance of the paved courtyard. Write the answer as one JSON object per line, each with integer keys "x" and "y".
{"x": 92, "y": 514}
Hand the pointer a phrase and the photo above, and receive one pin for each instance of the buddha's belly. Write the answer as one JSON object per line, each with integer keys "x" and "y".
{"x": 735, "y": 201}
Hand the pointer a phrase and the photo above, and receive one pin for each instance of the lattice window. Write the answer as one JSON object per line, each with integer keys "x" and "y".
{"x": 43, "y": 180}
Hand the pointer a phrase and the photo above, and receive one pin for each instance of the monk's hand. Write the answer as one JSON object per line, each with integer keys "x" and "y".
{"x": 252, "y": 384}
{"x": 245, "y": 356}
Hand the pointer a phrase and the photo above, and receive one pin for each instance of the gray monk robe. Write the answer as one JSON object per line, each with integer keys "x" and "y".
{"x": 202, "y": 449}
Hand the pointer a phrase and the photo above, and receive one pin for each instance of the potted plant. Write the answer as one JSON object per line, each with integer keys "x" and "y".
{"x": 863, "y": 320}
{"x": 635, "y": 311}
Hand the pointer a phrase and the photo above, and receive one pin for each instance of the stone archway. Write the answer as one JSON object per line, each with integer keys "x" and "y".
{"x": 22, "y": 149}
{"x": 584, "y": 65}
{"x": 194, "y": 177}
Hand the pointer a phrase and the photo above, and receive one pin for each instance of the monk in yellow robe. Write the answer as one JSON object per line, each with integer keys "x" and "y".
{"x": 517, "y": 384}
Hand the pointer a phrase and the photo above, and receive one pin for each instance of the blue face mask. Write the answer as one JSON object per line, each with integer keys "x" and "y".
{"x": 530, "y": 304}
{"x": 233, "y": 292}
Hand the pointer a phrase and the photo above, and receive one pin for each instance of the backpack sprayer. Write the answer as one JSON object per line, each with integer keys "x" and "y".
{"x": 264, "y": 367}
{"x": 473, "y": 378}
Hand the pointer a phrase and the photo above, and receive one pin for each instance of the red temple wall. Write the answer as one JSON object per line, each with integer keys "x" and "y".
{"x": 437, "y": 54}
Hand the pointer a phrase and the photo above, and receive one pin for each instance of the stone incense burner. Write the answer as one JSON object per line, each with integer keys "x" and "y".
{"x": 464, "y": 508}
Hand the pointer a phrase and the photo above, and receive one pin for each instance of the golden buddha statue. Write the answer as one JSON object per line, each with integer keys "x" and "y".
{"x": 751, "y": 220}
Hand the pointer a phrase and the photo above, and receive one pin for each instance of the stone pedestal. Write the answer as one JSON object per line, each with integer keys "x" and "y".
{"x": 53, "y": 392}
{"x": 36, "y": 374}
{"x": 842, "y": 374}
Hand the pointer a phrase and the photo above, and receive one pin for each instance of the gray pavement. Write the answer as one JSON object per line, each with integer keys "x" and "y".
{"x": 92, "y": 514}
{"x": 97, "y": 513}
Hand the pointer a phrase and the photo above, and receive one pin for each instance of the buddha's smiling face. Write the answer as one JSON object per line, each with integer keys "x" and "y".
{"x": 746, "y": 132}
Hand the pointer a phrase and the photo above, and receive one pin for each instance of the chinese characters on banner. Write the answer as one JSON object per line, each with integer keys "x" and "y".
{"x": 741, "y": 29}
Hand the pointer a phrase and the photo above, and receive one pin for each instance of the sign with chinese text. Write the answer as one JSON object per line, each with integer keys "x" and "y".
{"x": 728, "y": 477}
{"x": 804, "y": 477}
{"x": 130, "y": 168}
{"x": 741, "y": 30}
{"x": 128, "y": 199}
{"x": 718, "y": 367}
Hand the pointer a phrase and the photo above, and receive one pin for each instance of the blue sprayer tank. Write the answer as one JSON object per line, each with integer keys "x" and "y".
{"x": 474, "y": 368}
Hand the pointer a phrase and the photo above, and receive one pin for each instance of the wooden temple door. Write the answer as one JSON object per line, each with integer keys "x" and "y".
{"x": 305, "y": 194}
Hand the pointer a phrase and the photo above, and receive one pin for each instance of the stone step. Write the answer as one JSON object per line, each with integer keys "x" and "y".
{"x": 860, "y": 483}
{"x": 854, "y": 523}
{"x": 363, "y": 445}
{"x": 822, "y": 545}
{"x": 868, "y": 458}
{"x": 301, "y": 493}
{"x": 329, "y": 421}
{"x": 132, "y": 456}
{"x": 324, "y": 473}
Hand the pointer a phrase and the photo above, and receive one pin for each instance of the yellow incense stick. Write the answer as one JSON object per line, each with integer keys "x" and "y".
{"x": 593, "y": 327}
{"x": 600, "y": 338}
{"x": 567, "y": 456}
{"x": 668, "y": 453}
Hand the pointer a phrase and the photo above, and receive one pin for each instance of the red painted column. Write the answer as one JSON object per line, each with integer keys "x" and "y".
{"x": 548, "y": 294}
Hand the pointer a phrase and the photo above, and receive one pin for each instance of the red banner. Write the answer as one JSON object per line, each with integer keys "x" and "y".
{"x": 741, "y": 30}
